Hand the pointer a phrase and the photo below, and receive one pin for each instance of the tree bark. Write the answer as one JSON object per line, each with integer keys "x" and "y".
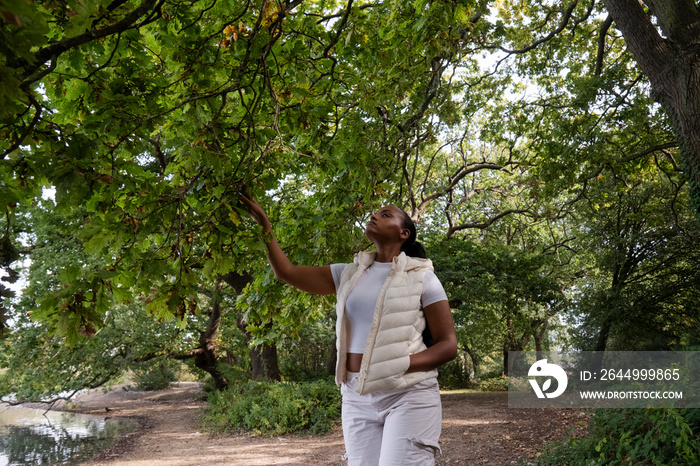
{"x": 264, "y": 360}
{"x": 207, "y": 356}
{"x": 474, "y": 358}
{"x": 539, "y": 336}
{"x": 672, "y": 64}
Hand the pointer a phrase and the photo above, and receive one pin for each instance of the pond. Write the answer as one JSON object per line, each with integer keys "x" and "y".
{"x": 33, "y": 436}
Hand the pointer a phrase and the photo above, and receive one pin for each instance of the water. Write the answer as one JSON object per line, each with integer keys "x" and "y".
{"x": 30, "y": 437}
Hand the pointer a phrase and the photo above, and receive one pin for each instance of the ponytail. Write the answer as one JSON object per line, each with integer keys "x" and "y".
{"x": 414, "y": 249}
{"x": 411, "y": 247}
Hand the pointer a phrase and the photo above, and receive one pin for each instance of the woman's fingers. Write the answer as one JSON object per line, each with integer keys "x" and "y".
{"x": 256, "y": 211}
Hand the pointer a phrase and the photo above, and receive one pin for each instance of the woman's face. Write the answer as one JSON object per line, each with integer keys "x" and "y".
{"x": 386, "y": 225}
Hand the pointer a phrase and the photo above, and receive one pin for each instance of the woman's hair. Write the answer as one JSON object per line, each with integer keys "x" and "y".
{"x": 412, "y": 247}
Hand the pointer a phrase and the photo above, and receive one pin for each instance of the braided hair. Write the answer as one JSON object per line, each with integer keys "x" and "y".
{"x": 412, "y": 247}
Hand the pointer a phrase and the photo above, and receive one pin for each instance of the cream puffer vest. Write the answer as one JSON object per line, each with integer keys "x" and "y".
{"x": 397, "y": 326}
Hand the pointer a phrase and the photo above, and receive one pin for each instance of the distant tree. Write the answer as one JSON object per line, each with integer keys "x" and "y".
{"x": 645, "y": 293}
{"x": 130, "y": 337}
{"x": 504, "y": 297}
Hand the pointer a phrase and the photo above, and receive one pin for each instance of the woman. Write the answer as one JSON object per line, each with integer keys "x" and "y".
{"x": 391, "y": 402}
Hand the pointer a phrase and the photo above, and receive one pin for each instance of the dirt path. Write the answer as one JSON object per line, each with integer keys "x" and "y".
{"x": 478, "y": 429}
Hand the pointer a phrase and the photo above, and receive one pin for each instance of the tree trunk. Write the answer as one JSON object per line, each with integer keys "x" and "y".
{"x": 539, "y": 335}
{"x": 333, "y": 359}
{"x": 596, "y": 362}
{"x": 207, "y": 355}
{"x": 507, "y": 363}
{"x": 263, "y": 357}
{"x": 474, "y": 358}
{"x": 264, "y": 360}
{"x": 602, "y": 341}
{"x": 672, "y": 64}
{"x": 512, "y": 343}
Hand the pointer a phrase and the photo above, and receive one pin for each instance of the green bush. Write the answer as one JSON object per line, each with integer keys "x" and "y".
{"x": 274, "y": 408}
{"x": 631, "y": 437}
{"x": 494, "y": 384}
{"x": 156, "y": 375}
{"x": 454, "y": 375}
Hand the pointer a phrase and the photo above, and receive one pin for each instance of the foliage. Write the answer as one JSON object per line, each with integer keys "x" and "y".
{"x": 311, "y": 356}
{"x": 130, "y": 337}
{"x": 643, "y": 292}
{"x": 455, "y": 374}
{"x": 40, "y": 366}
{"x": 8, "y": 254}
{"x": 155, "y": 376}
{"x": 154, "y": 116}
{"x": 631, "y": 436}
{"x": 494, "y": 384}
{"x": 274, "y": 408}
{"x": 500, "y": 293}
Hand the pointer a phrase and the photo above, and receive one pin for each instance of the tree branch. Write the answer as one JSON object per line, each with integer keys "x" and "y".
{"x": 42, "y": 55}
{"x": 28, "y": 129}
{"x": 647, "y": 151}
{"x": 601, "y": 45}
{"x": 482, "y": 225}
{"x": 341, "y": 26}
{"x": 557, "y": 30}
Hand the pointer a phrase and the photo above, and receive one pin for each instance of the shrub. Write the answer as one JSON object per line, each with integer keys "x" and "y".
{"x": 454, "y": 375}
{"x": 274, "y": 408}
{"x": 494, "y": 384}
{"x": 630, "y": 437}
{"x": 155, "y": 376}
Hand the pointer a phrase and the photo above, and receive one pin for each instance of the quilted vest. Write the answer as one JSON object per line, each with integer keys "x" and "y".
{"x": 397, "y": 325}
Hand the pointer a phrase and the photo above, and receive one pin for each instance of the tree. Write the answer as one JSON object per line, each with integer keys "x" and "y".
{"x": 664, "y": 40}
{"x": 646, "y": 247}
{"x": 150, "y": 118}
{"x": 129, "y": 339}
{"x": 154, "y": 115}
{"x": 503, "y": 296}
{"x": 574, "y": 46}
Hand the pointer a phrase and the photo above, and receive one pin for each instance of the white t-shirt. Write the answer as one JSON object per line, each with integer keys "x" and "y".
{"x": 360, "y": 304}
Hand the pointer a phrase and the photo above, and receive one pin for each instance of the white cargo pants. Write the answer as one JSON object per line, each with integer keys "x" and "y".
{"x": 397, "y": 427}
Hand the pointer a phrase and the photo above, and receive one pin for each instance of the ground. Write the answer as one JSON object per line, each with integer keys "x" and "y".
{"x": 478, "y": 429}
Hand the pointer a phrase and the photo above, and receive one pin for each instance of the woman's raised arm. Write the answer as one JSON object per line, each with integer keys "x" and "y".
{"x": 317, "y": 280}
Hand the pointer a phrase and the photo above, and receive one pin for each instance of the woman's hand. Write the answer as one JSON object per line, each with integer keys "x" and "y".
{"x": 256, "y": 211}
{"x": 317, "y": 280}
{"x": 438, "y": 317}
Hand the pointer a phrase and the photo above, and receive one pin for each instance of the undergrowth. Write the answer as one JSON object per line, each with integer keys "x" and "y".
{"x": 650, "y": 436}
{"x": 274, "y": 408}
